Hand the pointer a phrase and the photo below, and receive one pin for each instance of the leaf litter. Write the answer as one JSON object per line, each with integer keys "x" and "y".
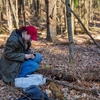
{"x": 56, "y": 56}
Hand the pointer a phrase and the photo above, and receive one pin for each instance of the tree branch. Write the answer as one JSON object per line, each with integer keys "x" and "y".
{"x": 93, "y": 91}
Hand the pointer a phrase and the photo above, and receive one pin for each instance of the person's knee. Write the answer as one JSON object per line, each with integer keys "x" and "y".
{"x": 38, "y": 58}
{"x": 35, "y": 66}
{"x": 26, "y": 70}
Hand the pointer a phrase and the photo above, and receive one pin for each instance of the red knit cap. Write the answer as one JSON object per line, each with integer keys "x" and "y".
{"x": 32, "y": 31}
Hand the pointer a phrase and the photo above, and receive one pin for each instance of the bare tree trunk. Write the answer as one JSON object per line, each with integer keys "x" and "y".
{"x": 86, "y": 14}
{"x": 48, "y": 37}
{"x": 13, "y": 12}
{"x": 7, "y": 8}
{"x": 36, "y": 7}
{"x": 72, "y": 16}
{"x": 59, "y": 13}
{"x": 65, "y": 17}
{"x": 37, "y": 11}
{"x": 40, "y": 7}
{"x": 82, "y": 10}
{"x": 29, "y": 2}
{"x": 9, "y": 19}
{"x": 33, "y": 6}
{"x": 52, "y": 19}
{"x": 70, "y": 37}
{"x": 90, "y": 11}
{"x": 0, "y": 15}
{"x": 20, "y": 7}
{"x": 24, "y": 18}
{"x": 80, "y": 14}
{"x": 17, "y": 14}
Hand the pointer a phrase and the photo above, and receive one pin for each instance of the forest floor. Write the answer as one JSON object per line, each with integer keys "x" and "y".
{"x": 56, "y": 56}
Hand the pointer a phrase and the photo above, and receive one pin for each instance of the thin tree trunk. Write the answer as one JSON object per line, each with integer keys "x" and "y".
{"x": 86, "y": 14}
{"x": 20, "y": 8}
{"x": 59, "y": 10}
{"x": 48, "y": 37}
{"x": 65, "y": 20}
{"x": 17, "y": 14}
{"x": 13, "y": 12}
{"x": 29, "y": 2}
{"x": 70, "y": 37}
{"x": 90, "y": 12}
{"x": 80, "y": 14}
{"x": 24, "y": 18}
{"x": 33, "y": 6}
{"x": 9, "y": 20}
{"x": 65, "y": 17}
{"x": 38, "y": 9}
{"x": 72, "y": 6}
{"x": 9, "y": 17}
{"x": 82, "y": 10}
{"x": 0, "y": 15}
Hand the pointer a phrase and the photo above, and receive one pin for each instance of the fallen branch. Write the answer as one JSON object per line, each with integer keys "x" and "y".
{"x": 87, "y": 75}
{"x": 58, "y": 74}
{"x": 93, "y": 91}
{"x": 85, "y": 28}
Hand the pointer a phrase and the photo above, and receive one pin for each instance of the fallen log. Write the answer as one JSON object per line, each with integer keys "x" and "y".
{"x": 89, "y": 90}
{"x": 91, "y": 75}
{"x": 57, "y": 74}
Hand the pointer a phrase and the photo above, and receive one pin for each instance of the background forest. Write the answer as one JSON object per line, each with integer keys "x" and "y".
{"x": 68, "y": 39}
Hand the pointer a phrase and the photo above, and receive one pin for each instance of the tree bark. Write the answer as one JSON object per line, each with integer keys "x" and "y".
{"x": 70, "y": 37}
{"x": 72, "y": 6}
{"x": 86, "y": 14}
{"x": 90, "y": 12}
{"x": 91, "y": 75}
{"x": 24, "y": 18}
{"x": 13, "y": 12}
{"x": 17, "y": 14}
{"x": 57, "y": 74}
{"x": 52, "y": 20}
{"x": 48, "y": 37}
{"x": 89, "y": 90}
{"x": 9, "y": 21}
{"x": 0, "y": 15}
{"x": 20, "y": 8}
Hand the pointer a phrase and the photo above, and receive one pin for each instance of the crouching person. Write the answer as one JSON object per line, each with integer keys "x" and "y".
{"x": 17, "y": 60}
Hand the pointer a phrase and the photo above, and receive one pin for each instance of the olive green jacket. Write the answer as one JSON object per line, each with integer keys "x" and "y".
{"x": 13, "y": 57}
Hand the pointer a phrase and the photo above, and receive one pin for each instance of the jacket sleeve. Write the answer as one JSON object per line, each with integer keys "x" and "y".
{"x": 11, "y": 50}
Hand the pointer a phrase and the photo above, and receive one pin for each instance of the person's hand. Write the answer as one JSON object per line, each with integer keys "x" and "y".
{"x": 29, "y": 56}
{"x": 32, "y": 56}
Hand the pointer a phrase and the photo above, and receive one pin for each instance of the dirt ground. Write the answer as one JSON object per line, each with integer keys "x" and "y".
{"x": 56, "y": 56}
